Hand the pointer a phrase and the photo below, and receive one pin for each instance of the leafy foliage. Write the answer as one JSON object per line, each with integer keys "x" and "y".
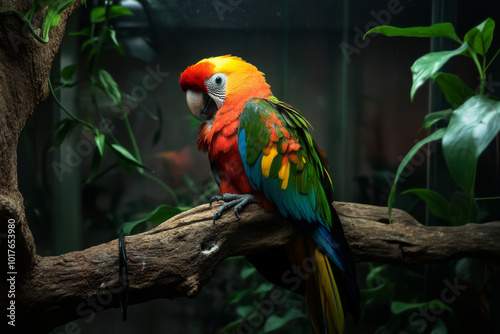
{"x": 466, "y": 130}
{"x": 471, "y": 129}
{"x": 100, "y": 38}
{"x": 51, "y": 19}
{"x": 432, "y": 137}
{"x": 428, "y": 65}
{"x": 105, "y": 13}
{"x": 474, "y": 120}
{"x": 436, "y": 30}
{"x": 436, "y": 202}
{"x": 263, "y": 307}
{"x": 455, "y": 91}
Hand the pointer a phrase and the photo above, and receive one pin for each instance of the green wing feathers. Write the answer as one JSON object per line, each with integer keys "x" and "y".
{"x": 282, "y": 160}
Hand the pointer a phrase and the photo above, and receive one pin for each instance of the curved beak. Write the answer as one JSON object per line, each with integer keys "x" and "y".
{"x": 201, "y": 105}
{"x": 196, "y": 103}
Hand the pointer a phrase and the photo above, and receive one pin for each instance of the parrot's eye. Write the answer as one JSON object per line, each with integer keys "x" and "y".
{"x": 217, "y": 81}
{"x": 216, "y": 88}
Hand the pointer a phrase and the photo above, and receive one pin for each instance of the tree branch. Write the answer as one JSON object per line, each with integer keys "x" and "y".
{"x": 179, "y": 256}
{"x": 406, "y": 241}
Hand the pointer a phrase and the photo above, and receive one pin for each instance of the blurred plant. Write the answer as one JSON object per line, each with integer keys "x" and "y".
{"x": 101, "y": 36}
{"x": 263, "y": 307}
{"x": 383, "y": 310}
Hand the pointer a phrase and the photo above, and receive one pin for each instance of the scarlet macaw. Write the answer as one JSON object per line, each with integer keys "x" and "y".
{"x": 260, "y": 150}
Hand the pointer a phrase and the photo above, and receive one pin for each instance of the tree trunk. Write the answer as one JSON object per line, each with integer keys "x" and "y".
{"x": 24, "y": 69}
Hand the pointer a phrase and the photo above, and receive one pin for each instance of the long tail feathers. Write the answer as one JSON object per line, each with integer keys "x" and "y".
{"x": 323, "y": 299}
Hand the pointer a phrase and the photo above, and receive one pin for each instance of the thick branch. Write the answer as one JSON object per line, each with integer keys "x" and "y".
{"x": 179, "y": 256}
{"x": 406, "y": 241}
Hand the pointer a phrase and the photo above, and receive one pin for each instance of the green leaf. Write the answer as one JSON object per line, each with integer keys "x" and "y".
{"x": 56, "y": 18}
{"x": 65, "y": 127}
{"x": 112, "y": 36}
{"x": 439, "y": 327}
{"x": 53, "y": 15}
{"x": 400, "y": 307}
{"x": 472, "y": 127}
{"x": 243, "y": 311}
{"x": 438, "y": 134}
{"x": 88, "y": 42}
{"x": 236, "y": 296}
{"x": 454, "y": 89}
{"x": 264, "y": 287}
{"x": 426, "y": 66}
{"x": 435, "y": 30}
{"x": 68, "y": 72}
{"x": 100, "y": 140}
{"x": 110, "y": 86}
{"x": 385, "y": 290}
{"x": 96, "y": 49}
{"x": 98, "y": 14}
{"x": 463, "y": 211}
{"x": 275, "y": 322}
{"x": 125, "y": 155}
{"x": 437, "y": 204}
{"x": 480, "y": 37}
{"x": 375, "y": 275}
{"x": 159, "y": 215}
{"x": 126, "y": 166}
{"x": 116, "y": 11}
{"x": 436, "y": 116}
{"x": 246, "y": 272}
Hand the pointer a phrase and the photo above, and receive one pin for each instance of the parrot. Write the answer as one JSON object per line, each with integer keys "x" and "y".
{"x": 261, "y": 151}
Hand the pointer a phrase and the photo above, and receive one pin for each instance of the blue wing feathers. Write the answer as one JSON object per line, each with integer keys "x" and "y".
{"x": 325, "y": 240}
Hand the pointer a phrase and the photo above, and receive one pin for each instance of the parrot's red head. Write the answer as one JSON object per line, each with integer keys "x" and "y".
{"x": 222, "y": 83}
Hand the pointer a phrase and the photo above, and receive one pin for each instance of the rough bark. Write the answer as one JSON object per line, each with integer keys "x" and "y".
{"x": 179, "y": 256}
{"x": 406, "y": 241}
{"x": 25, "y": 65}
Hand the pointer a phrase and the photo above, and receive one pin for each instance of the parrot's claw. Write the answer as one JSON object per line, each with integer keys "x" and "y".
{"x": 235, "y": 201}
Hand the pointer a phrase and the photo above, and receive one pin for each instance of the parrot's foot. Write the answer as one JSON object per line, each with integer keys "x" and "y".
{"x": 232, "y": 200}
